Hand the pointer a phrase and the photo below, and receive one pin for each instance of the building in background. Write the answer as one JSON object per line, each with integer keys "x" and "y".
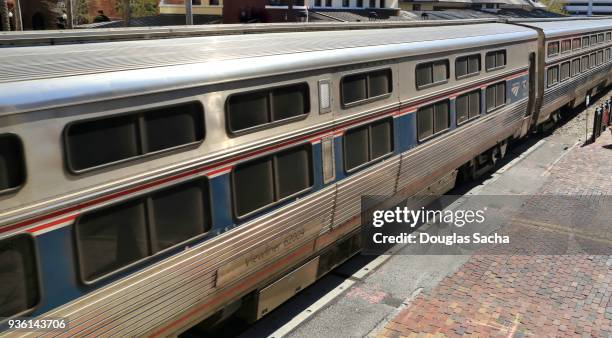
{"x": 581, "y": 7}
{"x": 205, "y": 7}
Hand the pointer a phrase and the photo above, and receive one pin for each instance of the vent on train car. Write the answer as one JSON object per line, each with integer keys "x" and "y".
{"x": 109, "y": 140}
{"x": 12, "y": 163}
{"x": 20, "y": 289}
{"x": 117, "y": 236}
{"x": 262, "y": 108}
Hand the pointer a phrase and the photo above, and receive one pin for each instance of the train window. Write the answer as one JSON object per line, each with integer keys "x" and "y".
{"x": 467, "y": 106}
{"x": 592, "y": 60}
{"x": 431, "y": 73}
{"x": 593, "y": 39}
{"x": 600, "y": 57}
{"x": 600, "y": 38}
{"x": 12, "y": 163}
{"x": 264, "y": 181}
{"x": 585, "y": 42}
{"x": 179, "y": 213}
{"x": 98, "y": 142}
{"x": 18, "y": 277}
{"x": 432, "y": 119}
{"x": 467, "y": 65}
{"x": 496, "y": 96}
{"x": 254, "y": 109}
{"x": 608, "y": 36}
{"x": 608, "y": 54}
{"x": 565, "y": 71}
{"x": 112, "y": 238}
{"x": 566, "y": 46}
{"x": 553, "y": 48}
{"x": 495, "y": 60}
{"x": 381, "y": 140}
{"x": 292, "y": 172}
{"x": 552, "y": 76}
{"x": 576, "y": 43}
{"x": 584, "y": 63}
{"x": 168, "y": 128}
{"x": 362, "y": 87}
{"x": 575, "y": 67}
{"x": 368, "y": 143}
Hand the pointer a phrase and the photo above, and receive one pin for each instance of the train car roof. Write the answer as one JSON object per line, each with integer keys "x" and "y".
{"x": 557, "y": 28}
{"x": 42, "y": 77}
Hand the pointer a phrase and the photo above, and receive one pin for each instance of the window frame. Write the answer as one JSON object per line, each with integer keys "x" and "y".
{"x": 572, "y": 74}
{"x": 569, "y": 71}
{"x": 565, "y": 41}
{"x": 268, "y": 125}
{"x": 487, "y": 111}
{"x": 548, "y": 48}
{"x": 143, "y": 197}
{"x": 432, "y": 84}
{"x": 469, "y": 119}
{"x": 37, "y": 270}
{"x": 370, "y": 160}
{"x": 367, "y": 99}
{"x": 505, "y": 52}
{"x": 548, "y": 70}
{"x": 433, "y": 117}
{"x": 232, "y": 181}
{"x": 467, "y": 57}
{"x": 578, "y": 45}
{"x": 24, "y": 181}
{"x": 139, "y": 115}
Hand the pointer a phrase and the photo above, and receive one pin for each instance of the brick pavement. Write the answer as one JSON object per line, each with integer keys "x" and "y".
{"x": 536, "y": 295}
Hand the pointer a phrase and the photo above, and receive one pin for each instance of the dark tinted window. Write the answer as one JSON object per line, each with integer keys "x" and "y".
{"x": 575, "y": 67}
{"x": 367, "y": 143}
{"x": 584, "y": 63}
{"x": 600, "y": 38}
{"x": 467, "y": 65}
{"x": 495, "y": 59}
{"x": 600, "y": 57}
{"x": 364, "y": 86}
{"x": 496, "y": 95}
{"x": 468, "y": 106}
{"x": 431, "y": 73}
{"x": 179, "y": 213}
{"x": 553, "y": 48}
{"x": 103, "y": 141}
{"x": 12, "y": 164}
{"x": 565, "y": 71}
{"x": 592, "y": 60}
{"x": 253, "y": 109}
{"x": 267, "y": 180}
{"x": 117, "y": 236}
{"x": 608, "y": 36}
{"x": 356, "y": 150}
{"x": 576, "y": 43}
{"x": 566, "y": 46}
{"x": 585, "y": 42}
{"x": 593, "y": 39}
{"x": 433, "y": 119}
{"x": 18, "y": 276}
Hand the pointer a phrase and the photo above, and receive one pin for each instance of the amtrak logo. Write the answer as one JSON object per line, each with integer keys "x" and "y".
{"x": 515, "y": 89}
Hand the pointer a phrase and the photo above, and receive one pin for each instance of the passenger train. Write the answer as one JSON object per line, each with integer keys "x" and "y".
{"x": 149, "y": 185}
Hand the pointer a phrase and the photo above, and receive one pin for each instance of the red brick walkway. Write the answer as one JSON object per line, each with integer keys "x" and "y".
{"x": 515, "y": 296}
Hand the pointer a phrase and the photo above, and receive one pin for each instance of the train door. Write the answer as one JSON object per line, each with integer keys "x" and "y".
{"x": 532, "y": 84}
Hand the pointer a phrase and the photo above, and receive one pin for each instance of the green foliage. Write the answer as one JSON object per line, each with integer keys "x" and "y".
{"x": 139, "y": 7}
{"x": 81, "y": 13}
{"x": 555, "y": 6}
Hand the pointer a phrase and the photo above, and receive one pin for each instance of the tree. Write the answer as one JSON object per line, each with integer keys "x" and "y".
{"x": 5, "y": 25}
{"x": 81, "y": 12}
{"x": 139, "y": 7}
{"x": 555, "y": 6}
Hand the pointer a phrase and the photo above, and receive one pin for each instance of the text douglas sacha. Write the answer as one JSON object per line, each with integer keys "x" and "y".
{"x": 424, "y": 238}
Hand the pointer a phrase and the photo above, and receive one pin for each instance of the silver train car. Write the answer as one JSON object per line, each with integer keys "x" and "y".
{"x": 149, "y": 185}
